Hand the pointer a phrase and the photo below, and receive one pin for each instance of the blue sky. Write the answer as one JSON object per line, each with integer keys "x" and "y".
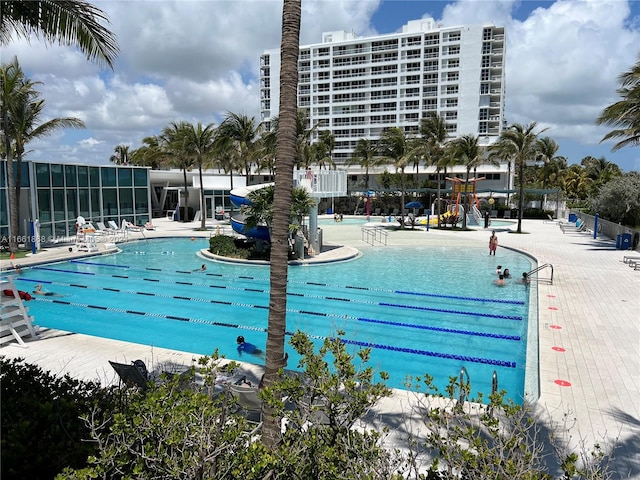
{"x": 197, "y": 60}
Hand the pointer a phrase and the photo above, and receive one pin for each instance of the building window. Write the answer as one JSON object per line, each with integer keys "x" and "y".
{"x": 57, "y": 179}
{"x": 42, "y": 174}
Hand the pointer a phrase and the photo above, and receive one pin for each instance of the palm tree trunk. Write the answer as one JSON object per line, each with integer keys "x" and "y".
{"x": 13, "y": 206}
{"x": 203, "y": 208}
{"x": 520, "y": 193}
{"x": 286, "y": 152}
{"x": 186, "y": 198}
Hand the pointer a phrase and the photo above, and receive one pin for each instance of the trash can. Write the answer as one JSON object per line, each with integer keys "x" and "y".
{"x": 573, "y": 218}
{"x": 329, "y": 211}
{"x": 625, "y": 242}
{"x": 618, "y": 242}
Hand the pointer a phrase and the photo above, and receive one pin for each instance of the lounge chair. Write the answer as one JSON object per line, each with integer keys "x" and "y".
{"x": 114, "y": 226}
{"x": 249, "y": 401}
{"x": 552, "y": 220}
{"x": 105, "y": 230}
{"x": 630, "y": 259}
{"x": 134, "y": 374}
{"x": 127, "y": 225}
{"x": 580, "y": 226}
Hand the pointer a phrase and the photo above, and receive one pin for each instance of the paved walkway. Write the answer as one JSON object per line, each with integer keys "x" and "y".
{"x": 589, "y": 333}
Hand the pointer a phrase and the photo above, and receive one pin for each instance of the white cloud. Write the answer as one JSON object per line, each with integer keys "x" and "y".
{"x": 196, "y": 60}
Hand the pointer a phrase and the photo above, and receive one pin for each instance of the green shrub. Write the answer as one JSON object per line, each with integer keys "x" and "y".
{"x": 41, "y": 427}
{"x": 226, "y": 246}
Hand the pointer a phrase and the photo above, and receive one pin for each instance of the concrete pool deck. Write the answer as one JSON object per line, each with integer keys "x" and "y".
{"x": 589, "y": 332}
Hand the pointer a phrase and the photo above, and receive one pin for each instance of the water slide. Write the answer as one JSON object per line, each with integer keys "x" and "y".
{"x": 239, "y": 196}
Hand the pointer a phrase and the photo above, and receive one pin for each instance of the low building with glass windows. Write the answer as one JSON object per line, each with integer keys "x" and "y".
{"x": 53, "y": 195}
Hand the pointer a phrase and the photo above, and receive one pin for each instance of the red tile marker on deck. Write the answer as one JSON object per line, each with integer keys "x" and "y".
{"x": 562, "y": 383}
{"x": 558, "y": 349}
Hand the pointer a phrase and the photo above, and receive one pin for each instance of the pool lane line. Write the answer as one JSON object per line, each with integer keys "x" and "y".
{"x": 450, "y": 356}
{"x": 84, "y": 262}
{"x": 464, "y": 358}
{"x": 442, "y": 329}
{"x": 307, "y": 312}
{"x": 329, "y": 285}
{"x": 329, "y": 298}
{"x": 456, "y": 312}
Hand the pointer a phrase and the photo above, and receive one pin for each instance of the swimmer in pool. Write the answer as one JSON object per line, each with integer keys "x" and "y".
{"x": 38, "y": 291}
{"x": 247, "y": 347}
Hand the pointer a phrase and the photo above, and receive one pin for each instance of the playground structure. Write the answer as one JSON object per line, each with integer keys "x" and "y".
{"x": 455, "y": 205}
{"x": 460, "y": 187}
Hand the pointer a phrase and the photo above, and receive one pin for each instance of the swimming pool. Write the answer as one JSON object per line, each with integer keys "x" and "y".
{"x": 421, "y": 309}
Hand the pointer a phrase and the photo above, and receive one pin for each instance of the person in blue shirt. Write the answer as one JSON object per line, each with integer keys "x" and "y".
{"x": 247, "y": 347}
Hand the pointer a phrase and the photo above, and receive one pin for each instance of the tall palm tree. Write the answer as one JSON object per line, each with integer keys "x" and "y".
{"x": 396, "y": 147}
{"x": 24, "y": 122}
{"x": 519, "y": 142}
{"x": 68, "y": 22}
{"x": 600, "y": 169}
{"x": 552, "y": 163}
{"x": 366, "y": 155}
{"x": 576, "y": 182}
{"x": 547, "y": 150}
{"x": 325, "y": 145}
{"x": 467, "y": 152}
{"x": 173, "y": 143}
{"x": 244, "y": 134}
{"x": 624, "y": 115}
{"x": 433, "y": 131}
{"x": 150, "y": 154}
{"x": 14, "y": 90}
{"x": 199, "y": 145}
{"x": 121, "y": 155}
{"x": 286, "y": 151}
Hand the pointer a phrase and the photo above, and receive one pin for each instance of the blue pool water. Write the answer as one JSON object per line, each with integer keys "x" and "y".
{"x": 421, "y": 309}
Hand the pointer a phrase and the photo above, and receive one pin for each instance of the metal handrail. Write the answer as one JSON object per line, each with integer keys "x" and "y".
{"x": 371, "y": 235}
{"x": 464, "y": 387}
{"x": 494, "y": 390}
{"x": 541, "y": 267}
{"x": 494, "y": 382}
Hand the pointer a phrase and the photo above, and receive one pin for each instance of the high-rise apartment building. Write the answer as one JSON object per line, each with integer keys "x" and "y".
{"x": 355, "y": 87}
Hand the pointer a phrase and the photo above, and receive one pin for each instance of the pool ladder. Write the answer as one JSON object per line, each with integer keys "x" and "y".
{"x": 542, "y": 267}
{"x": 464, "y": 384}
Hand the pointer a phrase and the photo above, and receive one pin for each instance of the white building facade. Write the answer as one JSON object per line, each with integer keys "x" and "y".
{"x": 355, "y": 87}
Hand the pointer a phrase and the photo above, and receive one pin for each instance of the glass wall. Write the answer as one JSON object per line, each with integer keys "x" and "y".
{"x": 61, "y": 193}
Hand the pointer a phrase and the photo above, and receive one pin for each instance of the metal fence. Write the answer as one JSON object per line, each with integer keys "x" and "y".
{"x": 605, "y": 228}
